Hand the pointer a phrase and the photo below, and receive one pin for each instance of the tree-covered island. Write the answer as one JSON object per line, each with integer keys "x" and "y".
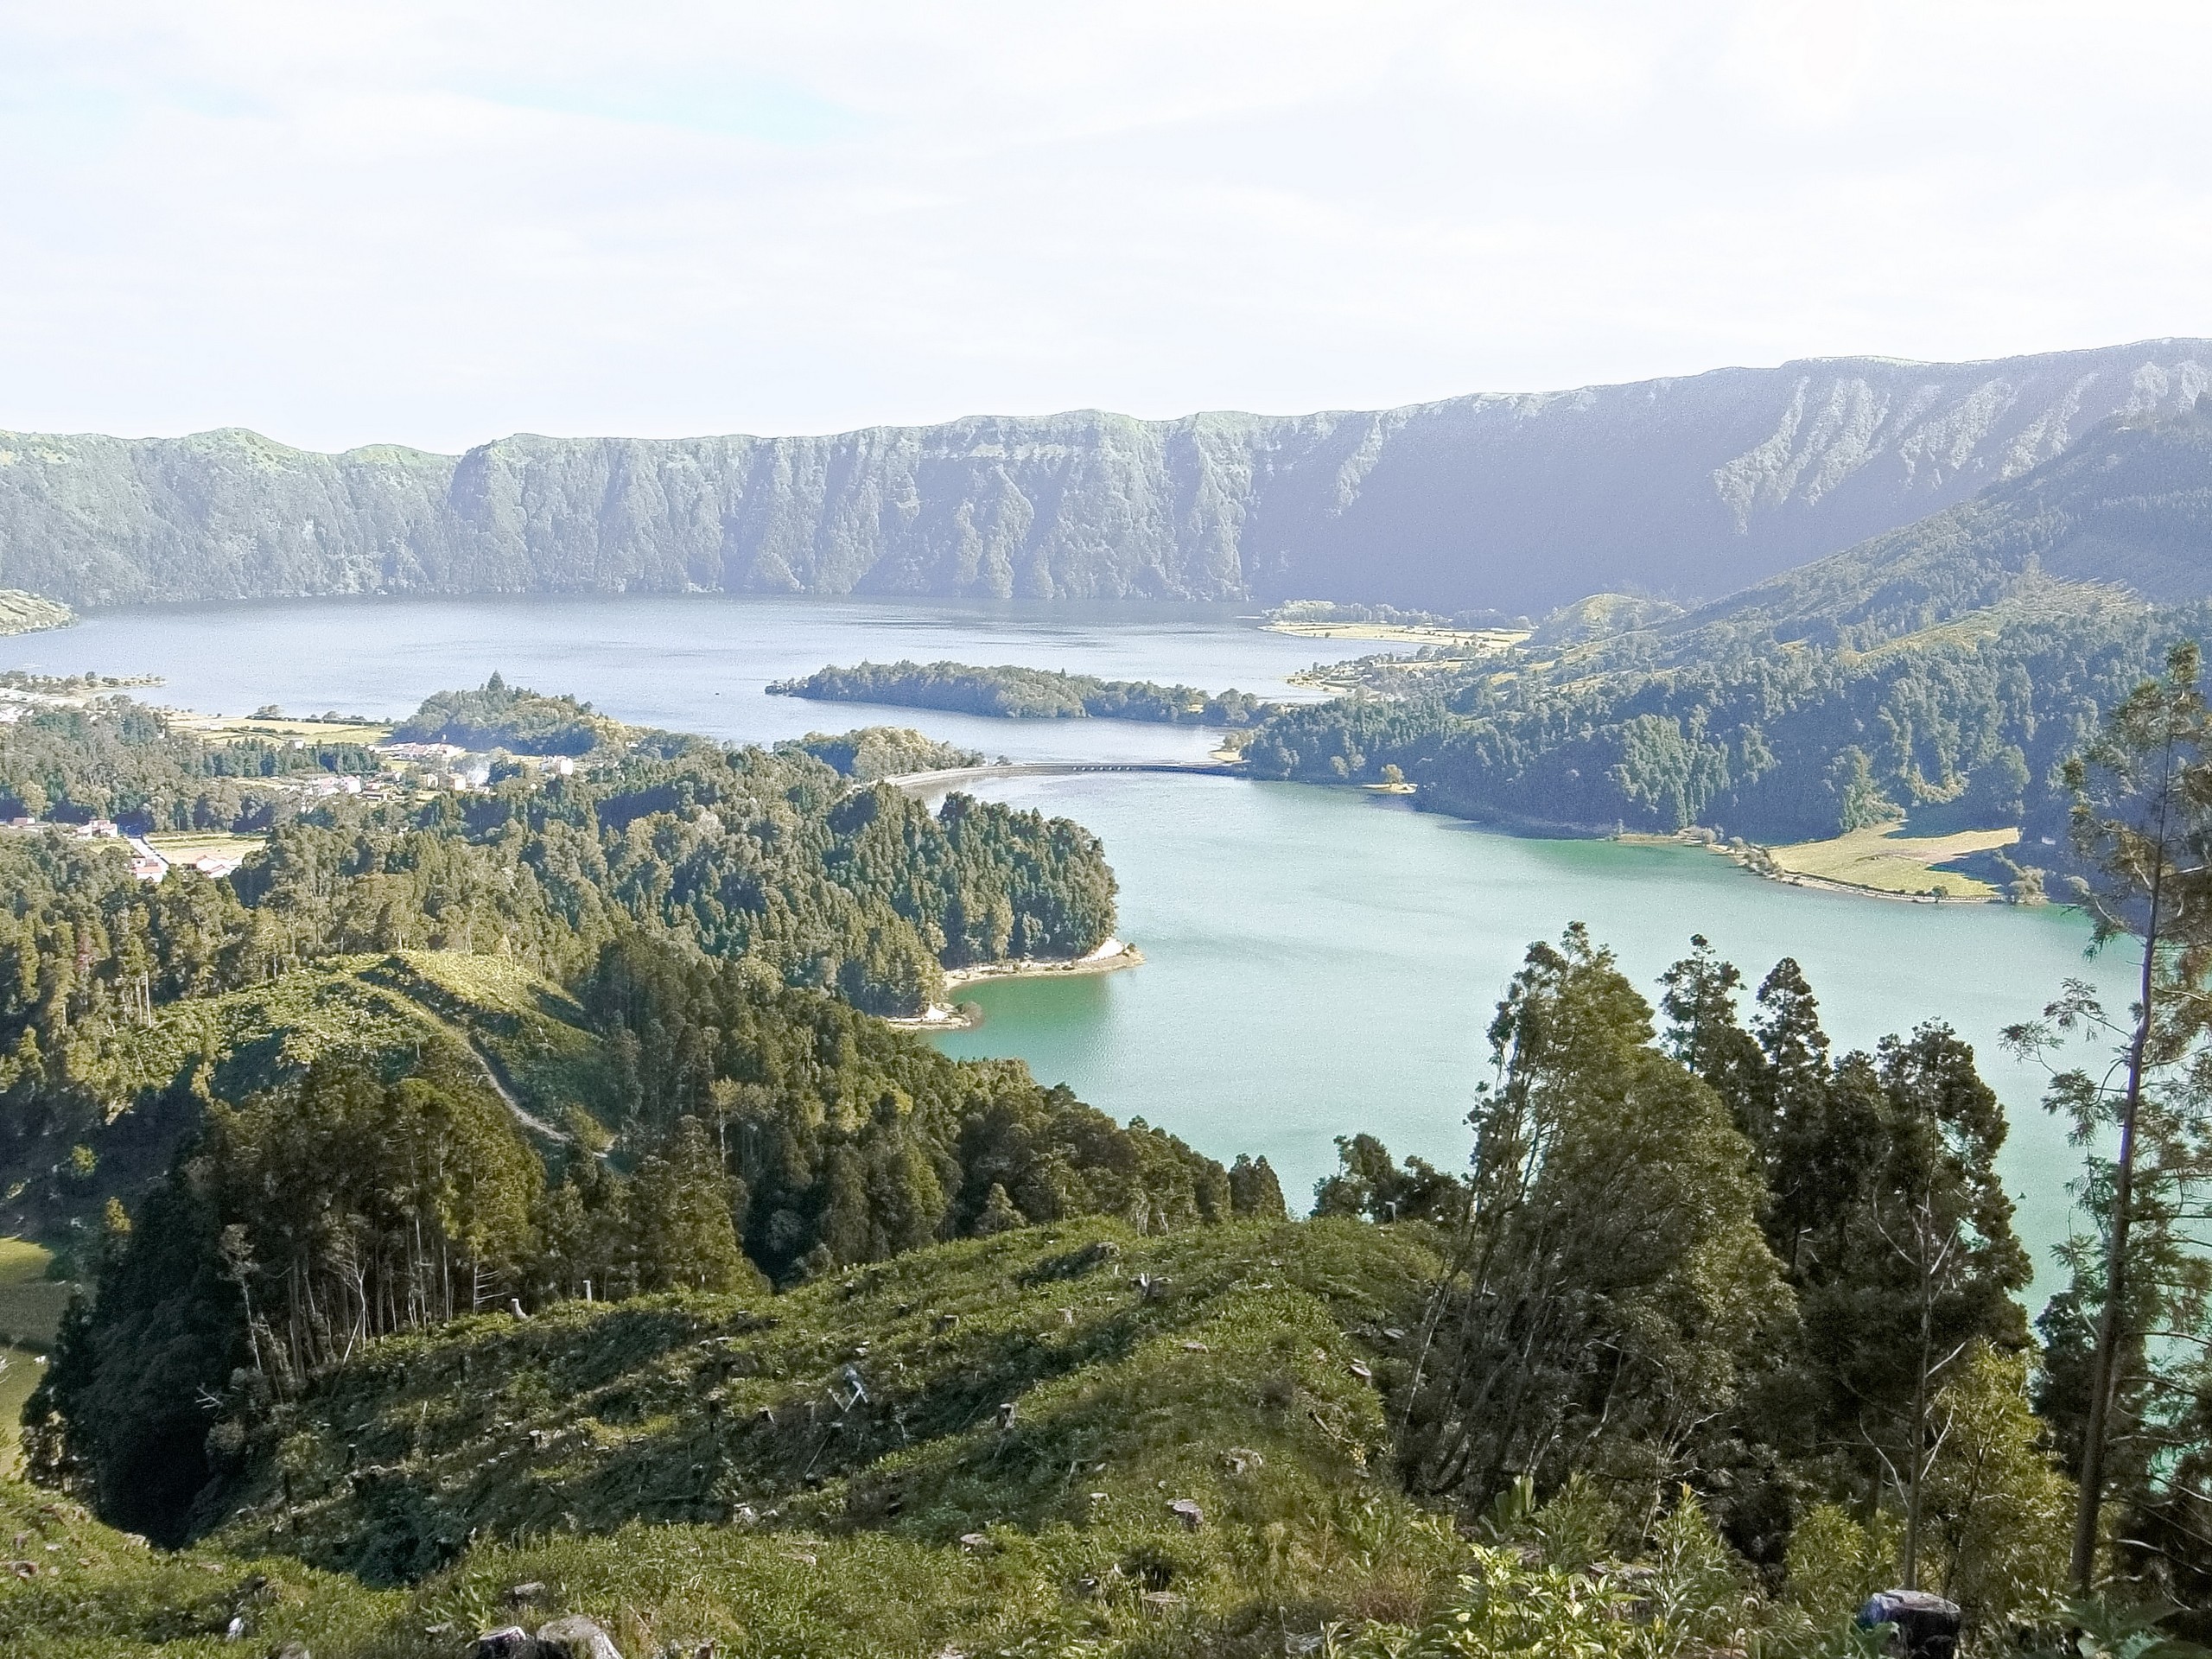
{"x": 1012, "y": 693}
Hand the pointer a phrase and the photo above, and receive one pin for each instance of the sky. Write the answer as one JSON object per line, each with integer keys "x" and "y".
{"x": 438, "y": 223}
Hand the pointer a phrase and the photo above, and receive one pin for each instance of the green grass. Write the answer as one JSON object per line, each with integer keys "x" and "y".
{"x": 22, "y": 1261}
{"x": 185, "y": 846}
{"x": 1883, "y": 860}
{"x": 22, "y": 1370}
{"x": 269, "y": 1035}
{"x": 96, "y": 1593}
{"x": 536, "y": 1034}
{"x": 32, "y": 1312}
{"x": 30, "y": 1303}
{"x": 30, "y": 1308}
{"x": 278, "y": 728}
{"x": 620, "y": 1455}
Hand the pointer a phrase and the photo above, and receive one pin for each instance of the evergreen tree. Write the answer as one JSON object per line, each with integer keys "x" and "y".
{"x": 1254, "y": 1190}
{"x": 1884, "y": 1207}
{"x": 1614, "y": 1284}
{"x": 681, "y": 1215}
{"x": 2142, "y": 821}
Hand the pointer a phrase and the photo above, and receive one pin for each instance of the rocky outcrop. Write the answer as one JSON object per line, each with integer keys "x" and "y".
{"x": 1682, "y": 488}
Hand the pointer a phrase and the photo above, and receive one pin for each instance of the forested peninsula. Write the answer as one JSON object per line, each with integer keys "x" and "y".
{"x": 1940, "y": 675}
{"x": 1014, "y": 693}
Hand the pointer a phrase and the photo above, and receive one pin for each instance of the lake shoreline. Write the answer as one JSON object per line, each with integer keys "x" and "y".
{"x": 1110, "y": 957}
{"x": 1759, "y": 862}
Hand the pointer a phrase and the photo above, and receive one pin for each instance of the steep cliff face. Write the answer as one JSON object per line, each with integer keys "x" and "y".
{"x": 1686, "y": 488}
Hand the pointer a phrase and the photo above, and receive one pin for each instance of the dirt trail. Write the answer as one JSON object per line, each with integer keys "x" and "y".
{"x": 523, "y": 1115}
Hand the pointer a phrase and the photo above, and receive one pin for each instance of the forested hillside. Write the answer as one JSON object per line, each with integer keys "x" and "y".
{"x": 1717, "y": 1333}
{"x": 1945, "y": 670}
{"x": 128, "y": 1005}
{"x": 1689, "y": 488}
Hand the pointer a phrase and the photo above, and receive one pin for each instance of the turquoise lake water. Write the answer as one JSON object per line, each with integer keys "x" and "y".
{"x": 1319, "y": 961}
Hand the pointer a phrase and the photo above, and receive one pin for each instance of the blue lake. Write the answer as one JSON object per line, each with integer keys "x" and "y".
{"x": 1319, "y": 961}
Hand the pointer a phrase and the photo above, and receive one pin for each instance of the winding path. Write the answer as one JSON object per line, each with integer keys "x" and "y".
{"x": 523, "y": 1115}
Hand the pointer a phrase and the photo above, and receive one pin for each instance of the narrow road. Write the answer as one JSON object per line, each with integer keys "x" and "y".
{"x": 523, "y": 1115}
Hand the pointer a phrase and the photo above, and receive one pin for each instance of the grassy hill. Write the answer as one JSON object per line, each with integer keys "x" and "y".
{"x": 530, "y": 1041}
{"x": 688, "y": 1468}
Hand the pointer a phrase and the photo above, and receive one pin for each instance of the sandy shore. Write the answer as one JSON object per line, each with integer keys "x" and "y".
{"x": 1110, "y": 957}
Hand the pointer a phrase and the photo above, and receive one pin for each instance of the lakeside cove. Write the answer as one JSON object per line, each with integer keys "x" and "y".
{"x": 1110, "y": 957}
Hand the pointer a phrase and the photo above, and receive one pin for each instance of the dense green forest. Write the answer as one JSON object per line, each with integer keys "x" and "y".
{"x": 1945, "y": 670}
{"x": 876, "y": 752}
{"x": 1023, "y": 694}
{"x": 125, "y": 1003}
{"x": 1717, "y": 1322}
{"x": 1964, "y": 725}
{"x": 776, "y": 855}
{"x": 497, "y": 716}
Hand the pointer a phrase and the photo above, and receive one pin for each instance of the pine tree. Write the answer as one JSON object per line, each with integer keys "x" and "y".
{"x": 681, "y": 1213}
{"x": 1254, "y": 1190}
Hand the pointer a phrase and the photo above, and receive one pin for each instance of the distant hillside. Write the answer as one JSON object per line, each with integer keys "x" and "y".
{"x": 1942, "y": 672}
{"x": 2129, "y": 507}
{"x": 1684, "y": 488}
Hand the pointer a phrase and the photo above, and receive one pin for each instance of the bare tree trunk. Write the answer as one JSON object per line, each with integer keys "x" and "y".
{"x": 2103, "y": 1373}
{"x": 1916, "y": 1446}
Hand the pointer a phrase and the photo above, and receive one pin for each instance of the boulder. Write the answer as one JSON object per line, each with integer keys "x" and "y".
{"x": 575, "y": 1637}
{"x": 1924, "y": 1625}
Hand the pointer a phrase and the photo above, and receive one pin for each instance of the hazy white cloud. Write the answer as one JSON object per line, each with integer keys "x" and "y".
{"x": 436, "y": 223}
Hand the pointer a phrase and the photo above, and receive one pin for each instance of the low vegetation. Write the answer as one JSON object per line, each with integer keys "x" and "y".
{"x": 1886, "y": 859}
{"x": 23, "y": 613}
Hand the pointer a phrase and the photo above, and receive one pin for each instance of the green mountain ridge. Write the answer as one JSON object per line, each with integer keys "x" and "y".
{"x": 2126, "y": 508}
{"x": 1942, "y": 673}
{"x": 1685, "y": 488}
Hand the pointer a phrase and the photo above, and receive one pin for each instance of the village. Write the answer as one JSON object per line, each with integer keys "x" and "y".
{"x": 399, "y": 771}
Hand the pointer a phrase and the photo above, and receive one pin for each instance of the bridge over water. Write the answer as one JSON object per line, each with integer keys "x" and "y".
{"x": 949, "y": 777}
